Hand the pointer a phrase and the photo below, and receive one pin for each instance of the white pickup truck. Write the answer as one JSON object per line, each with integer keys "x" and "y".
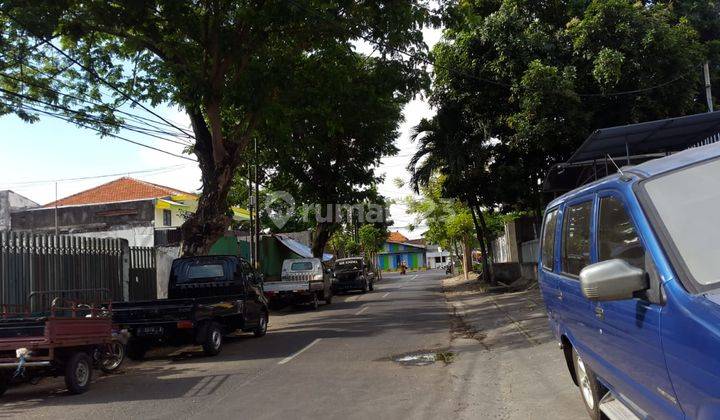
{"x": 304, "y": 280}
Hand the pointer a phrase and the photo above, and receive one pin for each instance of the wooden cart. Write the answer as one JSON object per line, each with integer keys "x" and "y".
{"x": 68, "y": 339}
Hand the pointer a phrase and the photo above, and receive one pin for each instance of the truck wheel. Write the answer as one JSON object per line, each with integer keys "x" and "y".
{"x": 591, "y": 390}
{"x": 78, "y": 373}
{"x": 372, "y": 286}
{"x": 261, "y": 329}
{"x": 328, "y": 298}
{"x": 365, "y": 287}
{"x": 136, "y": 350}
{"x": 315, "y": 303}
{"x": 213, "y": 340}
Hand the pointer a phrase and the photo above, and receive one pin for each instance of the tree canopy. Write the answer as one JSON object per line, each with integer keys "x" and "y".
{"x": 519, "y": 84}
{"x": 228, "y": 64}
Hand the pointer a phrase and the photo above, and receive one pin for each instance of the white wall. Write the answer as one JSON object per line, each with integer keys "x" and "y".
{"x": 164, "y": 256}
{"x": 136, "y": 236}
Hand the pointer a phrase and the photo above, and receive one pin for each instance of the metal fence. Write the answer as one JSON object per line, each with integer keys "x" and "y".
{"x": 41, "y": 263}
{"x": 143, "y": 273}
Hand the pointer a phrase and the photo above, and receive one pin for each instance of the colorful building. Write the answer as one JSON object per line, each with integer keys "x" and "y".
{"x": 399, "y": 249}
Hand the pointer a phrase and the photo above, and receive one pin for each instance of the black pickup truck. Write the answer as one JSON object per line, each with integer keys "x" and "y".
{"x": 208, "y": 298}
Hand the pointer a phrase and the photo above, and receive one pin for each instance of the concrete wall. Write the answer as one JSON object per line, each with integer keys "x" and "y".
{"x": 164, "y": 257}
{"x": 509, "y": 272}
{"x": 84, "y": 219}
{"x": 11, "y": 202}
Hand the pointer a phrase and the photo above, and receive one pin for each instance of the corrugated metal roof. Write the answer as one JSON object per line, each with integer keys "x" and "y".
{"x": 299, "y": 248}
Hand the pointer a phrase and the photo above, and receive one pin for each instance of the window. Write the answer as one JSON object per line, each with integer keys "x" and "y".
{"x": 548, "y": 241}
{"x": 438, "y": 260}
{"x": 205, "y": 271}
{"x": 301, "y": 266}
{"x": 576, "y": 238}
{"x": 617, "y": 237}
{"x": 167, "y": 218}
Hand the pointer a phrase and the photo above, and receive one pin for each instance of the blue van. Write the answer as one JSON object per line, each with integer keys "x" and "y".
{"x": 630, "y": 275}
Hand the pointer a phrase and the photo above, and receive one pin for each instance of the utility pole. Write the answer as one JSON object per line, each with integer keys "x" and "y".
{"x": 708, "y": 88}
{"x": 56, "y": 210}
{"x": 251, "y": 230}
{"x": 257, "y": 211}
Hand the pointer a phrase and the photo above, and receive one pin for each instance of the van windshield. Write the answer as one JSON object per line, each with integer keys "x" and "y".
{"x": 687, "y": 202}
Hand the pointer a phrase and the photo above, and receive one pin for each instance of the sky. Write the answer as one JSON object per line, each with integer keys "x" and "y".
{"x": 34, "y": 156}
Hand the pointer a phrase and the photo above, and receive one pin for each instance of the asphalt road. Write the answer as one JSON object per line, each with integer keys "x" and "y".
{"x": 352, "y": 359}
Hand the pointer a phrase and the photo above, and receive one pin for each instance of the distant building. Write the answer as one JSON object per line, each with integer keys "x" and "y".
{"x": 11, "y": 202}
{"x": 399, "y": 249}
{"x": 436, "y": 257}
{"x": 142, "y": 212}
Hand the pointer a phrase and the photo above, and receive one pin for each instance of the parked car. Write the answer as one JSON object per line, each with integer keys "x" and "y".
{"x": 630, "y": 274}
{"x": 303, "y": 280}
{"x": 208, "y": 298}
{"x": 352, "y": 274}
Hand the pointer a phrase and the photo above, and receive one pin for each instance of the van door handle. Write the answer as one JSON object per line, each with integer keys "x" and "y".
{"x": 559, "y": 295}
{"x": 599, "y": 312}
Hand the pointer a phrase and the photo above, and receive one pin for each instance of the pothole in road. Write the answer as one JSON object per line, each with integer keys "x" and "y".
{"x": 424, "y": 358}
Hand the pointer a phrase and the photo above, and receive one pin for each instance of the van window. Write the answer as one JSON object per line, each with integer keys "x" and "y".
{"x": 617, "y": 237}
{"x": 548, "y": 240}
{"x": 301, "y": 266}
{"x": 576, "y": 238}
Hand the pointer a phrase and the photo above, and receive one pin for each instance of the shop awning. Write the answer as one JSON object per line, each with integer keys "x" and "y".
{"x": 660, "y": 136}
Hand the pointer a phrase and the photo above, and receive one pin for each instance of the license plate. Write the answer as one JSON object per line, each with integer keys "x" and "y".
{"x": 145, "y": 331}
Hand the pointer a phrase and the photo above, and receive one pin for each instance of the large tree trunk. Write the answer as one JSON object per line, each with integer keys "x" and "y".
{"x": 323, "y": 231}
{"x": 467, "y": 257}
{"x": 489, "y": 257}
{"x": 213, "y": 216}
{"x": 485, "y": 245}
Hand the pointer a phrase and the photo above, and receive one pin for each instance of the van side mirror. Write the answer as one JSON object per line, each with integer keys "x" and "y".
{"x": 328, "y": 271}
{"x": 612, "y": 280}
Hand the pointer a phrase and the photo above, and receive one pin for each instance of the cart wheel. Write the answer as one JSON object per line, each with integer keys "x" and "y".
{"x": 114, "y": 357}
{"x": 214, "y": 340}
{"x": 78, "y": 373}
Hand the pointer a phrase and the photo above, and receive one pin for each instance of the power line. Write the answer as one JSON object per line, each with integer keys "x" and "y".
{"x": 86, "y": 117}
{"x": 67, "y": 119}
{"x": 139, "y": 119}
{"x": 471, "y": 76}
{"x": 50, "y": 181}
{"x": 95, "y": 74}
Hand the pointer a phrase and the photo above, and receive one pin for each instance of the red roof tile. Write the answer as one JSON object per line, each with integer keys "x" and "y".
{"x": 123, "y": 189}
{"x": 396, "y": 237}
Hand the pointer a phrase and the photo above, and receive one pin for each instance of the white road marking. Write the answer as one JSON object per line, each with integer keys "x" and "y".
{"x": 364, "y": 308}
{"x": 352, "y": 298}
{"x": 414, "y": 277}
{"x": 385, "y": 295}
{"x": 299, "y": 352}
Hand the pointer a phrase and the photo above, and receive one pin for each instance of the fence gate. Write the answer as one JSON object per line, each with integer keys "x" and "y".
{"x": 143, "y": 274}
{"x": 44, "y": 263}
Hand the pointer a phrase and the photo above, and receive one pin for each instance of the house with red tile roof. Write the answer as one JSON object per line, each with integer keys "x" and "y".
{"x": 127, "y": 208}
